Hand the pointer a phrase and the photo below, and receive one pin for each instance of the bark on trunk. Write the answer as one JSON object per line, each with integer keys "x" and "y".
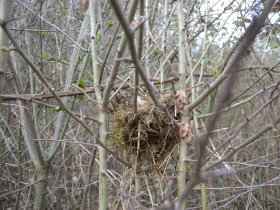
{"x": 41, "y": 187}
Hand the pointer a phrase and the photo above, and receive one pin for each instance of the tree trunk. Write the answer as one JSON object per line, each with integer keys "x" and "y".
{"x": 5, "y": 15}
{"x": 41, "y": 187}
{"x": 103, "y": 163}
{"x": 182, "y": 71}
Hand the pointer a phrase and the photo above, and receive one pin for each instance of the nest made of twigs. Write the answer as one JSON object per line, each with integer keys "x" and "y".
{"x": 148, "y": 134}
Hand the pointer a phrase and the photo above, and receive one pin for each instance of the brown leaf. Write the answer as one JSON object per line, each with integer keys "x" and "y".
{"x": 133, "y": 25}
{"x": 84, "y": 6}
{"x": 180, "y": 99}
{"x": 185, "y": 132}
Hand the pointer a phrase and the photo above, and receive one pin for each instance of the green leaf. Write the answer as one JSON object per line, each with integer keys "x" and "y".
{"x": 44, "y": 57}
{"x": 157, "y": 86}
{"x": 110, "y": 23}
{"x": 5, "y": 49}
{"x": 119, "y": 36}
{"x": 273, "y": 44}
{"x": 215, "y": 71}
{"x": 43, "y": 33}
{"x": 90, "y": 78}
{"x": 57, "y": 109}
{"x": 80, "y": 98}
{"x": 80, "y": 58}
{"x": 205, "y": 61}
{"x": 189, "y": 167}
{"x": 81, "y": 83}
{"x": 158, "y": 53}
{"x": 59, "y": 59}
{"x": 206, "y": 110}
{"x": 98, "y": 37}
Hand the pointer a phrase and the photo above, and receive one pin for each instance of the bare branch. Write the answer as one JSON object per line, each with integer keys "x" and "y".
{"x": 129, "y": 35}
{"x": 53, "y": 92}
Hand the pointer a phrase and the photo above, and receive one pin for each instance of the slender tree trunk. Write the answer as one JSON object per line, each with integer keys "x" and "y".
{"x": 103, "y": 162}
{"x": 182, "y": 71}
{"x": 163, "y": 47}
{"x": 41, "y": 187}
{"x": 103, "y": 102}
{"x": 93, "y": 5}
{"x": 138, "y": 184}
{"x": 27, "y": 125}
{"x": 5, "y": 15}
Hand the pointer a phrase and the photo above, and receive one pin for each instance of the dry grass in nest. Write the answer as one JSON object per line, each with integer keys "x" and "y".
{"x": 149, "y": 135}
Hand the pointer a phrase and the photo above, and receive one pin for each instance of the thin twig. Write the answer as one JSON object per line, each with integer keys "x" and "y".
{"x": 129, "y": 35}
{"x": 75, "y": 92}
{"x": 54, "y": 26}
{"x": 53, "y": 91}
{"x": 231, "y": 73}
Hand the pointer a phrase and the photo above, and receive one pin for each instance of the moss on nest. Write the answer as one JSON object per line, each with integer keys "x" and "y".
{"x": 149, "y": 134}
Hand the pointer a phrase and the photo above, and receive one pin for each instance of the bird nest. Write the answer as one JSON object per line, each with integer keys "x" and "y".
{"x": 149, "y": 134}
